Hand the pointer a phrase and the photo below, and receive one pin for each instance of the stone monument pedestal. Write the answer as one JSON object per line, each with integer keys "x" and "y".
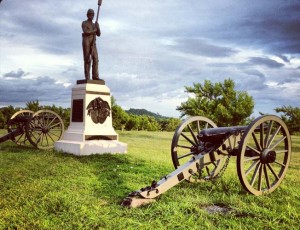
{"x": 90, "y": 130}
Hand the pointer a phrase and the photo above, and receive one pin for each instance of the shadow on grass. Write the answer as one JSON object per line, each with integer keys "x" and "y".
{"x": 107, "y": 176}
{"x": 10, "y": 146}
{"x": 117, "y": 174}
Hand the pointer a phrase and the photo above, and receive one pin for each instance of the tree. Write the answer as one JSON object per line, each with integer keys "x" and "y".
{"x": 169, "y": 124}
{"x": 64, "y": 113}
{"x": 7, "y": 113}
{"x": 291, "y": 117}
{"x": 151, "y": 123}
{"x": 2, "y": 121}
{"x": 220, "y": 102}
{"x": 119, "y": 117}
{"x": 133, "y": 122}
{"x": 33, "y": 105}
{"x": 172, "y": 124}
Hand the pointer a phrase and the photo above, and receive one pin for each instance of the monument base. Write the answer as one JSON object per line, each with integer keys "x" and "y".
{"x": 85, "y": 148}
{"x": 90, "y": 131}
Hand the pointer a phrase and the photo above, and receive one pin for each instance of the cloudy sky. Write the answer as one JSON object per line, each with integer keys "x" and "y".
{"x": 150, "y": 50}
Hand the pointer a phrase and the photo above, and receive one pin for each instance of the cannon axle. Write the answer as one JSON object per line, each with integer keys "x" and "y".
{"x": 41, "y": 129}
{"x": 200, "y": 151}
{"x": 268, "y": 156}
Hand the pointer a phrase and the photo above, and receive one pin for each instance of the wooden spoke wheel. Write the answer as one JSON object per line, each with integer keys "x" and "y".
{"x": 185, "y": 145}
{"x": 45, "y": 128}
{"x": 264, "y": 155}
{"x": 13, "y": 125}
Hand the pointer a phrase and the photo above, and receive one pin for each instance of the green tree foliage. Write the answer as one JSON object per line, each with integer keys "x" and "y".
{"x": 5, "y": 114}
{"x": 64, "y": 113}
{"x": 169, "y": 124}
{"x": 220, "y": 102}
{"x": 291, "y": 118}
{"x": 133, "y": 122}
{"x": 139, "y": 119}
{"x": 33, "y": 105}
{"x": 120, "y": 117}
{"x": 141, "y": 112}
{"x": 2, "y": 120}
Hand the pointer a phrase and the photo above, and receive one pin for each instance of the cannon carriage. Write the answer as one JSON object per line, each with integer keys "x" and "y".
{"x": 201, "y": 151}
{"x": 40, "y": 129}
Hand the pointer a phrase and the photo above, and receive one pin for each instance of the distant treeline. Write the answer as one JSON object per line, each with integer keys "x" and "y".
{"x": 141, "y": 119}
{"x": 133, "y": 119}
{"x": 7, "y": 112}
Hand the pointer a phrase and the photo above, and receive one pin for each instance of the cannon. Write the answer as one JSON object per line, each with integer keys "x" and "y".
{"x": 201, "y": 151}
{"x": 40, "y": 130}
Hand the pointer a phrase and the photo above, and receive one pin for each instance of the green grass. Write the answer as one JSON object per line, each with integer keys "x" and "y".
{"x": 45, "y": 189}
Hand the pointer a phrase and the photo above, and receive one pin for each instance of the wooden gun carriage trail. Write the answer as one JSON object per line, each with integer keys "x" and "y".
{"x": 201, "y": 151}
{"x": 41, "y": 129}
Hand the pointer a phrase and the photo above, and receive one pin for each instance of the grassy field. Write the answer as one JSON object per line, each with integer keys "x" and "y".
{"x": 44, "y": 189}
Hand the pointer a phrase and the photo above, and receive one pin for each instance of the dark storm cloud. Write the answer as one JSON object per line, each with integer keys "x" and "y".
{"x": 47, "y": 35}
{"x": 40, "y": 29}
{"x": 269, "y": 25}
{"x": 203, "y": 48}
{"x": 43, "y": 88}
{"x": 15, "y": 74}
{"x": 70, "y": 70}
{"x": 254, "y": 72}
{"x": 152, "y": 48}
{"x": 280, "y": 32}
{"x": 279, "y": 35}
{"x": 292, "y": 77}
{"x": 264, "y": 62}
{"x": 284, "y": 58}
{"x": 35, "y": 25}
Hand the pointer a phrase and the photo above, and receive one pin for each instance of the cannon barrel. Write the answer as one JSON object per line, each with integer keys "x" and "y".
{"x": 216, "y": 135}
{"x": 41, "y": 129}
{"x": 19, "y": 130}
{"x": 11, "y": 135}
{"x": 263, "y": 150}
{"x": 21, "y": 120}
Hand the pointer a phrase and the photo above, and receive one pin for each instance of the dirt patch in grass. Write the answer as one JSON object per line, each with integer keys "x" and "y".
{"x": 225, "y": 209}
{"x": 217, "y": 208}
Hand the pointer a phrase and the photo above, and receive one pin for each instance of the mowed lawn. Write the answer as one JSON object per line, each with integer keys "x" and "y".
{"x": 45, "y": 189}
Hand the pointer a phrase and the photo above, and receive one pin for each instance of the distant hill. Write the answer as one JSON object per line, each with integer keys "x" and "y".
{"x": 145, "y": 112}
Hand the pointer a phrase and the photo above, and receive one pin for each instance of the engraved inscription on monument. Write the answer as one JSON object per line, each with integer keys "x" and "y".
{"x": 77, "y": 110}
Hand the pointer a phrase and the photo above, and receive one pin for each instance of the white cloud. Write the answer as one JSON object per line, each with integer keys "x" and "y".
{"x": 150, "y": 50}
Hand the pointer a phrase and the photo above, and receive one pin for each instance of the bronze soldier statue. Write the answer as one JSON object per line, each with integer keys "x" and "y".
{"x": 90, "y": 30}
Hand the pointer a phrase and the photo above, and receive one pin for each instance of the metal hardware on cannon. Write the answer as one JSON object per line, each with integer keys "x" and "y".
{"x": 201, "y": 151}
{"x": 41, "y": 129}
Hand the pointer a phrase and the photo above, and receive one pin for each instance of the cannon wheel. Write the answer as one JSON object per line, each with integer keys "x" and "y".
{"x": 45, "y": 128}
{"x": 21, "y": 139}
{"x": 185, "y": 142}
{"x": 264, "y": 155}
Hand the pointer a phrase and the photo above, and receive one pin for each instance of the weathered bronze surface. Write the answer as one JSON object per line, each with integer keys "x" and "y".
{"x": 97, "y": 82}
{"x": 90, "y": 54}
{"x": 99, "y": 110}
